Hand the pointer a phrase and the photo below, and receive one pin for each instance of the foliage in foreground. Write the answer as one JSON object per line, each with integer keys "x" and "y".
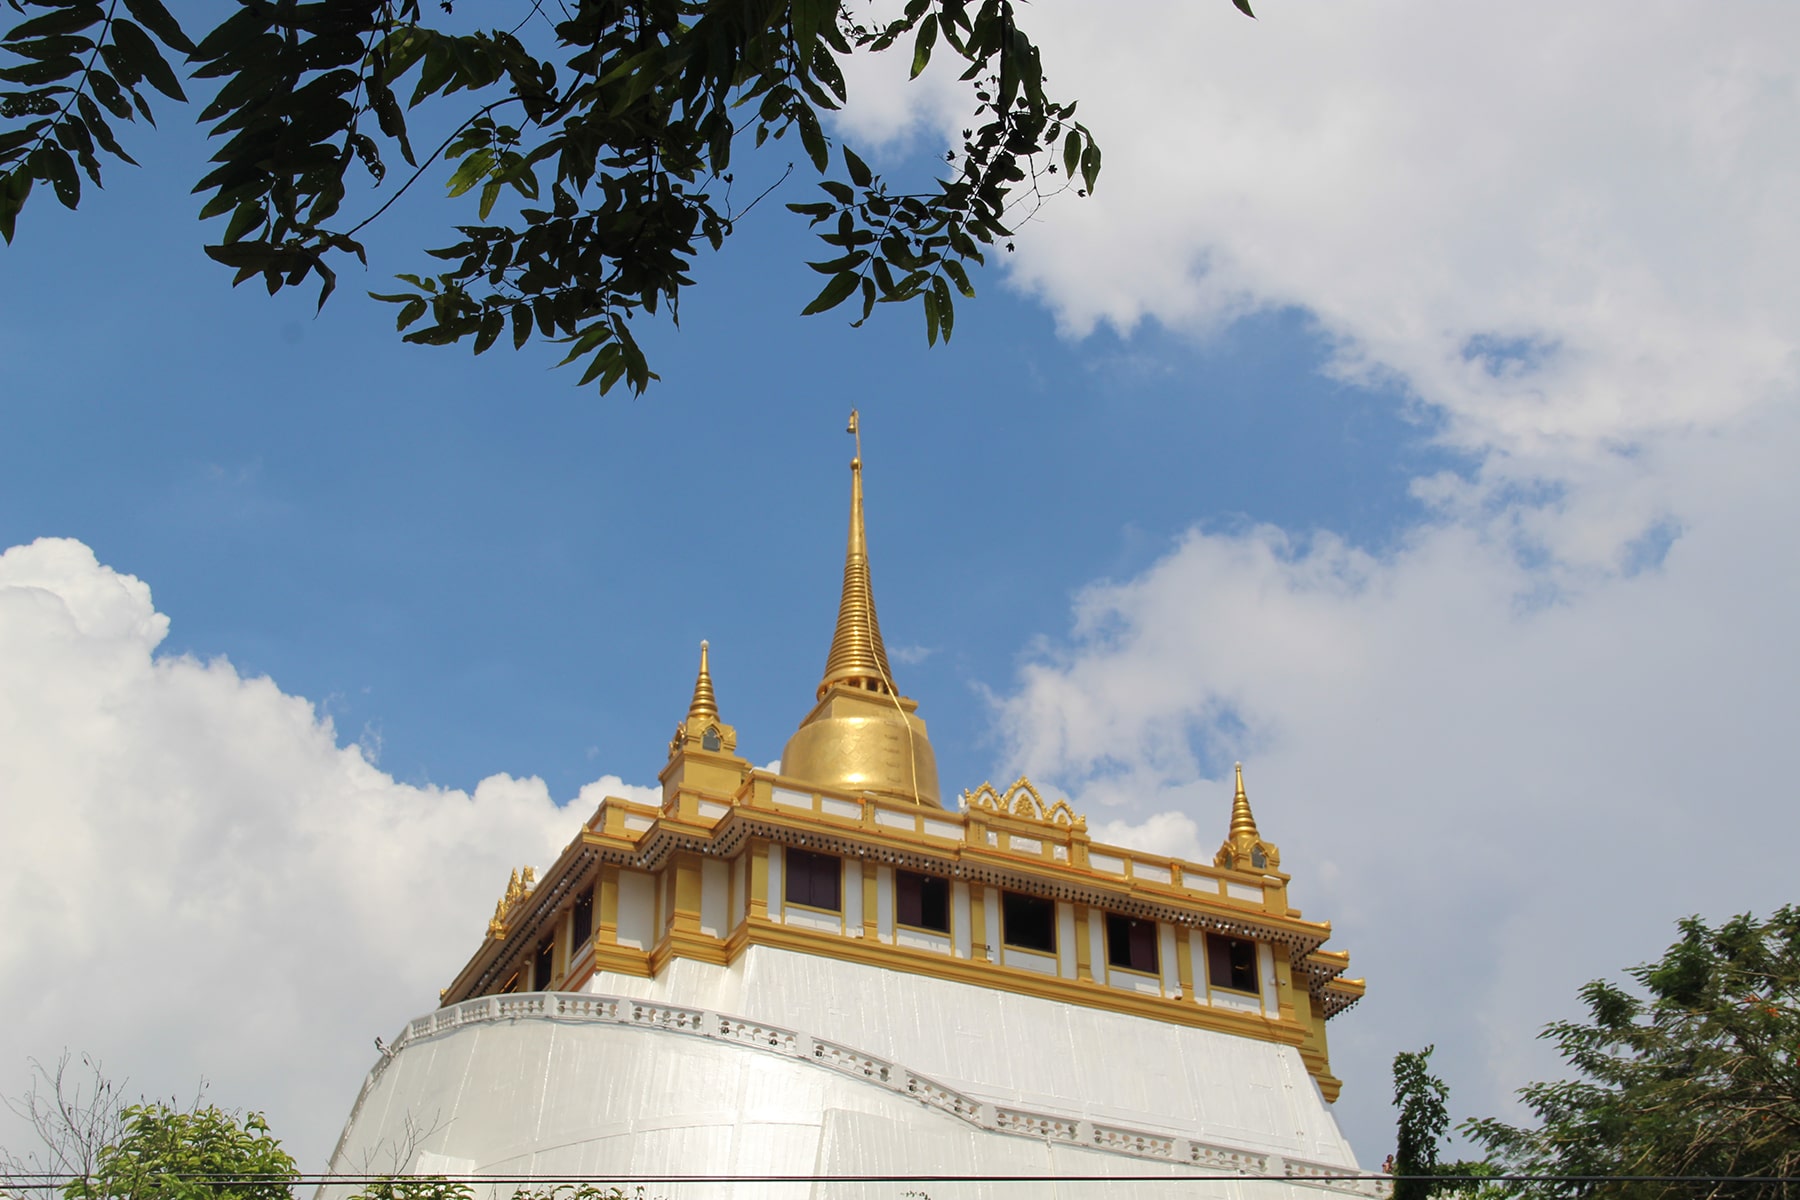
{"x": 201, "y": 1153}
{"x": 1421, "y": 1101}
{"x": 613, "y": 129}
{"x": 1698, "y": 1075}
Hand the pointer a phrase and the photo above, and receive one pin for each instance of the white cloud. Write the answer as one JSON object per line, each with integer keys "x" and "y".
{"x": 200, "y": 880}
{"x": 1493, "y": 799}
{"x": 1504, "y": 756}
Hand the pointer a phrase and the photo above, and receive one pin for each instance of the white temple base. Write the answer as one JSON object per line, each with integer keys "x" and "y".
{"x": 839, "y": 1069}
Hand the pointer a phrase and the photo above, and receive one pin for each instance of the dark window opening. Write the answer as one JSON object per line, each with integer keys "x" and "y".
{"x": 1131, "y": 943}
{"x": 1028, "y": 922}
{"x": 815, "y": 880}
{"x": 710, "y": 739}
{"x": 1258, "y": 859}
{"x": 922, "y": 901}
{"x": 542, "y": 965}
{"x": 581, "y": 922}
{"x": 1231, "y": 962}
{"x": 511, "y": 985}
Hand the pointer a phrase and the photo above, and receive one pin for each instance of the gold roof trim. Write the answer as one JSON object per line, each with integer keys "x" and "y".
{"x": 857, "y": 656}
{"x": 518, "y": 888}
{"x": 1023, "y": 800}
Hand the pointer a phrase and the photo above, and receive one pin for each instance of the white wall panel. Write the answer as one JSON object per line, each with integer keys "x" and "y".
{"x": 884, "y": 903}
{"x": 637, "y": 909}
{"x": 715, "y": 886}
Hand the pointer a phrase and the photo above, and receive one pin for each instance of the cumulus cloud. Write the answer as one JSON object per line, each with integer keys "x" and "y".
{"x": 200, "y": 879}
{"x": 1493, "y": 798}
{"x": 1504, "y": 754}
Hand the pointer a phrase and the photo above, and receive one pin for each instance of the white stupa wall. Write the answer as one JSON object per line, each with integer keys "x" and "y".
{"x": 1022, "y": 1050}
{"x": 503, "y": 1086}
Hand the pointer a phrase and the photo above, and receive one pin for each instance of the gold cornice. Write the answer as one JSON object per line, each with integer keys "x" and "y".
{"x": 960, "y": 858}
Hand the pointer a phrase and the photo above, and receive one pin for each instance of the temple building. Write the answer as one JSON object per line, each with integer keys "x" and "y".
{"x": 827, "y": 972}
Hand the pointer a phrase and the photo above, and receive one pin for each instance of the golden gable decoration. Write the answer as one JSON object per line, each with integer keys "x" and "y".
{"x": 1023, "y": 800}
{"x": 517, "y": 889}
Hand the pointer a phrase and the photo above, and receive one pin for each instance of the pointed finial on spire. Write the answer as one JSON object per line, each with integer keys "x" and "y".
{"x": 857, "y": 656}
{"x": 704, "y": 706}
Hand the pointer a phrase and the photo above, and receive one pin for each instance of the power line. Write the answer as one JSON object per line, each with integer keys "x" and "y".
{"x": 58, "y": 1179}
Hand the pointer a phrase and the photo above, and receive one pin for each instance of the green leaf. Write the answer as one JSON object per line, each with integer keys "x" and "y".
{"x": 834, "y": 294}
{"x": 813, "y": 138}
{"x": 106, "y": 90}
{"x": 246, "y": 217}
{"x": 53, "y": 164}
{"x": 96, "y": 123}
{"x": 492, "y": 322}
{"x": 946, "y": 308}
{"x": 959, "y": 277}
{"x": 1243, "y": 6}
{"x": 411, "y": 311}
{"x": 32, "y": 74}
{"x": 860, "y": 174}
{"x": 848, "y": 262}
{"x": 1071, "y": 153}
{"x": 1090, "y": 165}
{"x": 14, "y": 187}
{"x": 159, "y": 22}
{"x": 72, "y": 19}
{"x": 142, "y": 53}
{"x": 931, "y": 318}
{"x": 928, "y": 30}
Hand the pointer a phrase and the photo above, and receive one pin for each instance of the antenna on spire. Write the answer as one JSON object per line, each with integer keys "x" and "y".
{"x": 853, "y": 429}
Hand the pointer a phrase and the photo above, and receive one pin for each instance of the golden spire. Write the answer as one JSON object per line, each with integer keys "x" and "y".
{"x": 704, "y": 706}
{"x": 862, "y": 736}
{"x": 1243, "y": 825}
{"x": 857, "y": 656}
{"x": 1244, "y": 848}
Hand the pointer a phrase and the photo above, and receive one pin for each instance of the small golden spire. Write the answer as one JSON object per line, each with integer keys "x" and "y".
{"x": 1243, "y": 825}
{"x": 1244, "y": 848}
{"x": 857, "y": 656}
{"x": 704, "y": 706}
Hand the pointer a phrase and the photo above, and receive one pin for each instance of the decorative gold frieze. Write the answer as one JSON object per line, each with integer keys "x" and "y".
{"x": 1023, "y": 800}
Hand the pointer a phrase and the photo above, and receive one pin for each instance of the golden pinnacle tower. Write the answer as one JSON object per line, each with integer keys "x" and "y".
{"x": 862, "y": 735}
{"x": 1243, "y": 848}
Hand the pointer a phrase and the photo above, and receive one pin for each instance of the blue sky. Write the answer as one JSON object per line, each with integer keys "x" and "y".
{"x": 1410, "y": 415}
{"x": 465, "y": 558}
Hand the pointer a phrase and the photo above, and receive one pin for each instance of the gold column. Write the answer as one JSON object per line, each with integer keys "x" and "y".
{"x": 606, "y": 924}
{"x": 758, "y": 907}
{"x": 1184, "y": 962}
{"x": 871, "y": 890}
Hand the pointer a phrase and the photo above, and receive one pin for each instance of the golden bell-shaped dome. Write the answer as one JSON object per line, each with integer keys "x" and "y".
{"x": 862, "y": 735}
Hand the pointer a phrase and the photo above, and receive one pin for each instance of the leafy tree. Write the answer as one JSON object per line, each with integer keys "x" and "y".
{"x": 1422, "y": 1101}
{"x": 613, "y": 130}
{"x": 1694, "y": 1074}
{"x": 200, "y": 1153}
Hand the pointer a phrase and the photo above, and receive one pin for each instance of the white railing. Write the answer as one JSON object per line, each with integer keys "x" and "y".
{"x": 773, "y": 1039}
